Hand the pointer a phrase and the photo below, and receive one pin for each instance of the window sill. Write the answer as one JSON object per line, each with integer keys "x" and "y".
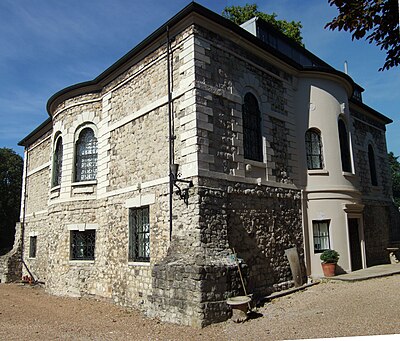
{"x": 318, "y": 172}
{"x": 377, "y": 188}
{"x": 55, "y": 188}
{"x": 55, "y": 192}
{"x": 81, "y": 262}
{"x": 255, "y": 163}
{"x": 348, "y": 174}
{"x": 84, "y": 187}
{"x": 138, "y": 263}
{"x": 84, "y": 183}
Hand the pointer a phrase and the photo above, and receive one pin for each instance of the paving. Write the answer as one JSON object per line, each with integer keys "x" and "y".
{"x": 368, "y": 273}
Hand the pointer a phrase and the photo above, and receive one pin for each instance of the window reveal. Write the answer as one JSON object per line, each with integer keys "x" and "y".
{"x": 321, "y": 235}
{"x": 139, "y": 234}
{"x": 83, "y": 245}
{"x": 314, "y": 149}
{"x": 86, "y": 156}
{"x": 252, "y": 129}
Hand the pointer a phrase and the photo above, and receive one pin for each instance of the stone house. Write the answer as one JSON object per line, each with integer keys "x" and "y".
{"x": 275, "y": 150}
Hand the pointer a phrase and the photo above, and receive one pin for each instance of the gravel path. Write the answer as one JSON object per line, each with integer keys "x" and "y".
{"x": 325, "y": 310}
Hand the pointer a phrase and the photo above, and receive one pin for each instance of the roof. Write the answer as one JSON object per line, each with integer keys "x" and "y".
{"x": 125, "y": 62}
{"x": 122, "y": 64}
{"x": 38, "y": 132}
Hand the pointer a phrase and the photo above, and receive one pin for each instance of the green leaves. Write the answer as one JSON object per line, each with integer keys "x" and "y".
{"x": 240, "y": 14}
{"x": 376, "y": 20}
{"x": 11, "y": 165}
{"x": 395, "y": 172}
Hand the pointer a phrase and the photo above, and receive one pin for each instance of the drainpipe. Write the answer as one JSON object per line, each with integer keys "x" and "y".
{"x": 306, "y": 235}
{"x": 23, "y": 212}
{"x": 171, "y": 136}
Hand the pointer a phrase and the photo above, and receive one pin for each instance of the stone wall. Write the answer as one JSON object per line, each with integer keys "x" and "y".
{"x": 258, "y": 222}
{"x": 141, "y": 163}
{"x": 225, "y": 72}
{"x": 10, "y": 263}
{"x": 367, "y": 131}
{"x": 189, "y": 278}
{"x": 377, "y": 234}
{"x": 381, "y": 219}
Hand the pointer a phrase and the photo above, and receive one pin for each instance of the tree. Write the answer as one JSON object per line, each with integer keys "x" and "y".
{"x": 11, "y": 165}
{"x": 378, "y": 19}
{"x": 240, "y": 14}
{"x": 395, "y": 172}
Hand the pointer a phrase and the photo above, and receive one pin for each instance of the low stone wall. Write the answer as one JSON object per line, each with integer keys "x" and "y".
{"x": 193, "y": 294}
{"x": 10, "y": 263}
{"x": 258, "y": 222}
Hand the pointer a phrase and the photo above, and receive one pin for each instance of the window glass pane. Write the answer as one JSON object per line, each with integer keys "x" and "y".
{"x": 32, "y": 246}
{"x": 314, "y": 149}
{"x": 83, "y": 244}
{"x": 344, "y": 147}
{"x": 252, "y": 129}
{"x": 86, "y": 156}
{"x": 321, "y": 235}
{"x": 372, "y": 166}
{"x": 58, "y": 156}
{"x": 139, "y": 234}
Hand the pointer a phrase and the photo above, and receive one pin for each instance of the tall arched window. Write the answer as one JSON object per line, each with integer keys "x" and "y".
{"x": 372, "y": 165}
{"x": 252, "y": 140}
{"x": 314, "y": 149}
{"x": 86, "y": 156}
{"x": 57, "y": 162}
{"x": 344, "y": 147}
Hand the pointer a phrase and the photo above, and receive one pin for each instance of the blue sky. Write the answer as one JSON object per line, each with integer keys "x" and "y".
{"x": 47, "y": 45}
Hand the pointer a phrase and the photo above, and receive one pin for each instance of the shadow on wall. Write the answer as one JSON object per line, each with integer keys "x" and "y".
{"x": 381, "y": 230}
{"x": 7, "y": 240}
{"x": 394, "y": 225}
{"x": 261, "y": 227}
{"x": 10, "y": 263}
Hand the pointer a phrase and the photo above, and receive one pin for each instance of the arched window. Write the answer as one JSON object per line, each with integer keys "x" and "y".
{"x": 57, "y": 162}
{"x": 314, "y": 149}
{"x": 372, "y": 165}
{"x": 344, "y": 147}
{"x": 252, "y": 128}
{"x": 86, "y": 156}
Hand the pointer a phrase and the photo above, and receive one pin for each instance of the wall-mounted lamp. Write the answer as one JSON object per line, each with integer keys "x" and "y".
{"x": 182, "y": 192}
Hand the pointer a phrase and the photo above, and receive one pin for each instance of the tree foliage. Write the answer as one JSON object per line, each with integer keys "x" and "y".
{"x": 240, "y": 14}
{"x": 376, "y": 20}
{"x": 395, "y": 171}
{"x": 11, "y": 165}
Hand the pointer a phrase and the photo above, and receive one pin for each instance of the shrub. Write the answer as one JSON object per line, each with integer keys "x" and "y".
{"x": 329, "y": 256}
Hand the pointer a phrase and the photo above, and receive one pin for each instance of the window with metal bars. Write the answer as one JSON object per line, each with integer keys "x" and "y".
{"x": 83, "y": 245}
{"x": 321, "y": 235}
{"x": 314, "y": 149}
{"x": 252, "y": 140}
{"x": 32, "y": 246}
{"x": 57, "y": 162}
{"x": 86, "y": 156}
{"x": 139, "y": 235}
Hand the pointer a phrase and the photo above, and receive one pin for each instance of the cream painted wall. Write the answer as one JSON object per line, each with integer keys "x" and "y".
{"x": 321, "y": 99}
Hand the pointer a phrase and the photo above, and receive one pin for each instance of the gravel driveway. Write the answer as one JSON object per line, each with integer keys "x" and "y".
{"x": 330, "y": 309}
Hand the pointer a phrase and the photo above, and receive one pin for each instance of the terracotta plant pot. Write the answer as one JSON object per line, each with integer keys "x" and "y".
{"x": 329, "y": 269}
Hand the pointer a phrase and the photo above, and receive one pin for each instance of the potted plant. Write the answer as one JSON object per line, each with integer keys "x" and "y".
{"x": 329, "y": 260}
